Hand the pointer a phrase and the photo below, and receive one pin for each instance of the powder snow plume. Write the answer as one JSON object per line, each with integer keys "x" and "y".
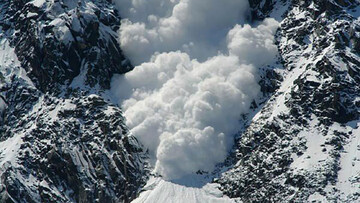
{"x": 196, "y": 74}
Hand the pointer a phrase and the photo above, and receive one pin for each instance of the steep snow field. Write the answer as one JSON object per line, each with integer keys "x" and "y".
{"x": 192, "y": 189}
{"x": 350, "y": 162}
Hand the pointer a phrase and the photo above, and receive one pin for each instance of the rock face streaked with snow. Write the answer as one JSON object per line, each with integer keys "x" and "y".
{"x": 303, "y": 143}
{"x": 62, "y": 140}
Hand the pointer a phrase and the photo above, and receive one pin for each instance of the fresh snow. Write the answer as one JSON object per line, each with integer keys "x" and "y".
{"x": 316, "y": 197}
{"x": 38, "y": 3}
{"x": 279, "y": 10}
{"x": 9, "y": 149}
{"x": 62, "y": 31}
{"x": 65, "y": 105}
{"x": 192, "y": 189}
{"x": 29, "y": 15}
{"x": 7, "y": 54}
{"x": 313, "y": 155}
{"x": 350, "y": 163}
{"x": 9, "y": 63}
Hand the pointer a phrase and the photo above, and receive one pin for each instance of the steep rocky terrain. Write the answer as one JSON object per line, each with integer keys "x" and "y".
{"x": 62, "y": 140}
{"x": 302, "y": 145}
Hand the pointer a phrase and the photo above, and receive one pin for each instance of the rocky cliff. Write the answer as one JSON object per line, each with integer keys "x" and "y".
{"x": 302, "y": 144}
{"x": 62, "y": 140}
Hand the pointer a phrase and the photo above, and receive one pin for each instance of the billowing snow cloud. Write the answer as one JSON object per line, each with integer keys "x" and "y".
{"x": 195, "y": 27}
{"x": 196, "y": 75}
{"x": 253, "y": 45}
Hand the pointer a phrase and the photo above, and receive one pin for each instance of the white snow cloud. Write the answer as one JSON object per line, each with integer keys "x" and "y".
{"x": 196, "y": 75}
{"x": 253, "y": 45}
{"x": 195, "y": 27}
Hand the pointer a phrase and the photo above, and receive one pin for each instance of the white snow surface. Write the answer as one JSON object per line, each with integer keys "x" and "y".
{"x": 314, "y": 155}
{"x": 38, "y": 3}
{"x": 190, "y": 190}
{"x": 9, "y": 63}
{"x": 350, "y": 162}
{"x": 62, "y": 31}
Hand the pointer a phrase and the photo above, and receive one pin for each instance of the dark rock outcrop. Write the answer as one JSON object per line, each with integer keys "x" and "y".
{"x": 62, "y": 140}
{"x": 295, "y": 149}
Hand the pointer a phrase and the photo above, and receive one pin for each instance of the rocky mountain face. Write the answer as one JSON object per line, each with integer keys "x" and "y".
{"x": 303, "y": 143}
{"x": 62, "y": 140}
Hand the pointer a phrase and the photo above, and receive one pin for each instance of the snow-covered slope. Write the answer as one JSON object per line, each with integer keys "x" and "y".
{"x": 192, "y": 189}
{"x": 302, "y": 145}
{"x": 61, "y": 139}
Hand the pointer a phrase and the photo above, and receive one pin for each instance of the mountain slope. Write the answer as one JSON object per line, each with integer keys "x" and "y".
{"x": 303, "y": 144}
{"x": 62, "y": 140}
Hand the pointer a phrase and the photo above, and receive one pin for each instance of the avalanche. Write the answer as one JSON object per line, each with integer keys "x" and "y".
{"x": 182, "y": 107}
